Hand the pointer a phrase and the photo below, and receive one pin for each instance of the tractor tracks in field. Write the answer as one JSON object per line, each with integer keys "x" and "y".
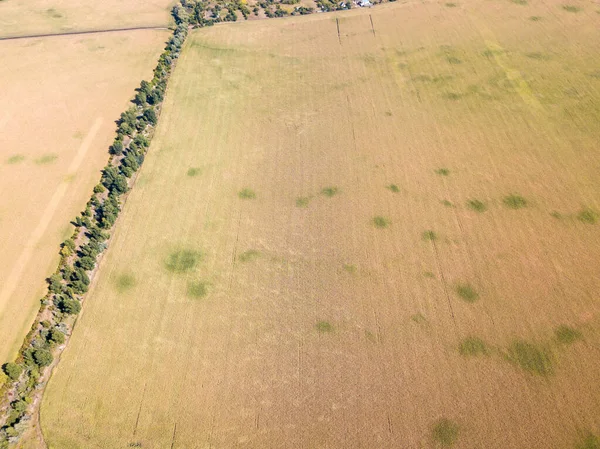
{"x": 75, "y": 33}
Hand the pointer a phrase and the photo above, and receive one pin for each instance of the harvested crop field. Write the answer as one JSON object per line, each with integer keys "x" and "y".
{"x": 60, "y": 99}
{"x": 372, "y": 229}
{"x": 25, "y": 17}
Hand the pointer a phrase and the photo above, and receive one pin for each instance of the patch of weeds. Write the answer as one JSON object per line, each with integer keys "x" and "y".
{"x": 324, "y": 327}
{"x": 442, "y": 172}
{"x": 302, "y": 201}
{"x": 537, "y": 55}
{"x": 514, "y": 201}
{"x": 381, "y": 222}
{"x": 477, "y": 206}
{"x": 596, "y": 73}
{"x": 451, "y": 5}
{"x": 567, "y": 335}
{"x": 535, "y": 18}
{"x": 588, "y": 441}
{"x": 428, "y": 275}
{"x": 571, "y": 8}
{"x": 198, "y": 289}
{"x": 445, "y": 432}
{"x": 370, "y": 336}
{"x": 46, "y": 159}
{"x": 453, "y": 60}
{"x": 388, "y": 113}
{"x": 53, "y": 13}
{"x": 15, "y": 159}
{"x": 556, "y": 214}
{"x": 519, "y": 2}
{"x": 588, "y": 216}
{"x": 429, "y": 236}
{"x": 393, "y": 188}
{"x": 490, "y": 52}
{"x": 249, "y": 255}
{"x": 418, "y": 318}
{"x": 125, "y": 282}
{"x": 183, "y": 260}
{"x": 466, "y": 292}
{"x": 194, "y": 171}
{"x": 473, "y": 347}
{"x": 423, "y": 78}
{"x": 247, "y": 194}
{"x": 530, "y": 358}
{"x": 348, "y": 268}
{"x": 329, "y": 191}
{"x": 453, "y": 96}
{"x": 447, "y": 203}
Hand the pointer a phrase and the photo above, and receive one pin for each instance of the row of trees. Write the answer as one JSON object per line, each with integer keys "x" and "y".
{"x": 79, "y": 253}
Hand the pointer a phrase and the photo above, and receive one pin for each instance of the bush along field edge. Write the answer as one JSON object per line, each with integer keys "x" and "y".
{"x": 24, "y": 379}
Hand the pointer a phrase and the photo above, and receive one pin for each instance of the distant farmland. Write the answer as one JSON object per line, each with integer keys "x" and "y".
{"x": 372, "y": 229}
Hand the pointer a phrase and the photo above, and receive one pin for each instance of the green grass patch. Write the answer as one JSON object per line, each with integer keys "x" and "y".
{"x": 330, "y": 191}
{"x": 535, "y": 18}
{"x": 198, "y": 289}
{"x": 587, "y": 216}
{"x": 477, "y": 206}
{"x": 429, "y": 236}
{"x": 588, "y": 441}
{"x": 348, "y": 268}
{"x": 15, "y": 159}
{"x": 381, "y": 222}
{"x": 453, "y": 60}
{"x": 453, "y": 95}
{"x": 567, "y": 335}
{"x": 125, "y": 282}
{"x": 442, "y": 172}
{"x": 445, "y": 432}
{"x": 531, "y": 358}
{"x": 571, "y": 8}
{"x": 473, "y": 347}
{"x": 249, "y": 255}
{"x": 451, "y": 5}
{"x": 514, "y": 201}
{"x": 537, "y": 55}
{"x": 393, "y": 188}
{"x": 324, "y": 327}
{"x": 302, "y": 201}
{"x": 428, "y": 275}
{"x": 182, "y": 261}
{"x": 446, "y": 203}
{"x": 247, "y": 194}
{"x": 519, "y": 2}
{"x": 556, "y": 214}
{"x": 194, "y": 171}
{"x": 46, "y": 159}
{"x": 466, "y": 292}
{"x": 418, "y": 318}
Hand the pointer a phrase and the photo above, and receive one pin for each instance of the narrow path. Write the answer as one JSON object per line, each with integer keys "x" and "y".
{"x": 71, "y": 33}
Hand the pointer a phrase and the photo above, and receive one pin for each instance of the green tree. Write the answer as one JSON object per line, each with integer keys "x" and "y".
{"x": 56, "y": 336}
{"x": 12, "y": 370}
{"x": 42, "y": 357}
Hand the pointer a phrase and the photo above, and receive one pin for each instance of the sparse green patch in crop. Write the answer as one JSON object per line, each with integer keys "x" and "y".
{"x": 453, "y": 95}
{"x": 447, "y": 203}
{"x": 418, "y": 318}
{"x": 246, "y": 194}
{"x": 428, "y": 275}
{"x": 519, "y": 2}
{"x": 324, "y": 327}
{"x": 596, "y": 73}
{"x": 329, "y": 191}
{"x": 535, "y": 18}
{"x": 453, "y": 60}
{"x": 381, "y": 222}
{"x": 442, "y": 172}
{"x": 302, "y": 201}
{"x": 567, "y": 335}
{"x": 445, "y": 432}
{"x": 125, "y": 282}
{"x": 388, "y": 113}
{"x": 531, "y": 358}
{"x": 477, "y": 205}
{"x": 587, "y": 216}
{"x": 194, "y": 171}
{"x": 514, "y": 201}
{"x": 466, "y": 292}
{"x": 393, "y": 188}
{"x": 473, "y": 347}
{"x": 53, "y": 13}
{"x": 491, "y": 52}
{"x": 348, "y": 268}
{"x": 556, "y": 214}
{"x": 571, "y": 8}
{"x": 370, "y": 336}
{"x": 198, "y": 289}
{"x": 451, "y": 5}
{"x": 588, "y": 441}
{"x": 429, "y": 236}
{"x": 46, "y": 159}
{"x": 537, "y": 55}
{"x": 183, "y": 260}
{"x": 15, "y": 159}
{"x": 249, "y": 255}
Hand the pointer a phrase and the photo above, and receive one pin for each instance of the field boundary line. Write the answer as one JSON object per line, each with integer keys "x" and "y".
{"x": 75, "y": 33}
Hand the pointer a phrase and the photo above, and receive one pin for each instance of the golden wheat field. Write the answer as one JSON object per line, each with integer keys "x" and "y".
{"x": 373, "y": 229}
